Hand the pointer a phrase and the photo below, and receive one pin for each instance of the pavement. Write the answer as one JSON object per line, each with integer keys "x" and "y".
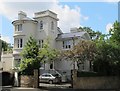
{"x": 49, "y": 87}
{"x": 62, "y": 85}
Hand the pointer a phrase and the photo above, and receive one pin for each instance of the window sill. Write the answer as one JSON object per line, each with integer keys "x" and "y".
{"x": 41, "y": 30}
{"x": 66, "y": 48}
{"x": 19, "y": 31}
{"x": 18, "y": 48}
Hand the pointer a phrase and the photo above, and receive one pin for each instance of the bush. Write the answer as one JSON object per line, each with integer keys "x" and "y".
{"x": 87, "y": 74}
{"x": 105, "y": 68}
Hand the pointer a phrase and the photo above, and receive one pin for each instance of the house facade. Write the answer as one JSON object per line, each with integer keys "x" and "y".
{"x": 45, "y": 25}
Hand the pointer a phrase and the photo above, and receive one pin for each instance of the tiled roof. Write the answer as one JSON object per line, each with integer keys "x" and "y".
{"x": 70, "y": 35}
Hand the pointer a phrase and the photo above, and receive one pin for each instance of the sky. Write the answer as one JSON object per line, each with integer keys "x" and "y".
{"x": 98, "y": 15}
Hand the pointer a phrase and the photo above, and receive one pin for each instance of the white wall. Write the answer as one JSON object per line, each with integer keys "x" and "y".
{"x": 7, "y": 62}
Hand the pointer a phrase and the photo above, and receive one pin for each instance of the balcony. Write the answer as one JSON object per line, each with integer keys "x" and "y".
{"x": 17, "y": 51}
{"x": 18, "y": 33}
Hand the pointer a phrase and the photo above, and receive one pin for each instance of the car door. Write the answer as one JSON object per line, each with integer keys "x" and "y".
{"x": 47, "y": 77}
{"x": 42, "y": 78}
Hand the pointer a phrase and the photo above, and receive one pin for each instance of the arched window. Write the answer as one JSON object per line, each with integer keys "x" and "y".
{"x": 52, "y": 25}
{"x": 41, "y": 24}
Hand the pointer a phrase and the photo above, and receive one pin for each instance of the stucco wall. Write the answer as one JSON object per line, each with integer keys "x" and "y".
{"x": 7, "y": 62}
{"x": 0, "y": 65}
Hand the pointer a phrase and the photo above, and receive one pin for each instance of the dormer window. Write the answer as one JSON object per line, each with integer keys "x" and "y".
{"x": 52, "y": 25}
{"x": 41, "y": 24}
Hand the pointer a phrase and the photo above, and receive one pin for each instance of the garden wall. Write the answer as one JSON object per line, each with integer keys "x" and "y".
{"x": 103, "y": 82}
{"x": 26, "y": 81}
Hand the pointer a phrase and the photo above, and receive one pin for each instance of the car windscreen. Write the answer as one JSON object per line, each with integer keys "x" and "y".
{"x": 56, "y": 75}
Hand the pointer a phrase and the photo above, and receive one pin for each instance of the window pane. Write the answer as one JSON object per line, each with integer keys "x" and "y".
{"x": 52, "y": 25}
{"x": 63, "y": 44}
{"x": 16, "y": 27}
{"x": 20, "y": 27}
{"x": 41, "y": 25}
{"x": 66, "y": 44}
{"x": 21, "y": 43}
{"x": 41, "y": 43}
{"x": 18, "y": 43}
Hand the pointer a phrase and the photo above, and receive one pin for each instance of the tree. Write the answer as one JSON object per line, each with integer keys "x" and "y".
{"x": 107, "y": 61}
{"x": 33, "y": 56}
{"x": 48, "y": 54}
{"x": 107, "y": 58}
{"x": 94, "y": 35}
{"x": 4, "y": 45}
{"x": 84, "y": 51}
{"x": 115, "y": 34}
{"x": 30, "y": 60}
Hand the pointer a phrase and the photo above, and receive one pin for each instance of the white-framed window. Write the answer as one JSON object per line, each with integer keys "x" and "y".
{"x": 18, "y": 27}
{"x": 52, "y": 25}
{"x": 66, "y": 44}
{"x": 19, "y": 42}
{"x": 41, "y": 24}
{"x": 40, "y": 43}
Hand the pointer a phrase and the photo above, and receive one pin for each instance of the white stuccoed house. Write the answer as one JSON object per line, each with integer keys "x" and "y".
{"x": 45, "y": 25}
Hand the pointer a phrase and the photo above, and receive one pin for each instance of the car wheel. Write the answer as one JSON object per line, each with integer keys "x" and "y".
{"x": 50, "y": 81}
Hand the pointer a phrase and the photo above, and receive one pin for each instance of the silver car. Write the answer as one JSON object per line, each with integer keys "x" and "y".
{"x": 50, "y": 78}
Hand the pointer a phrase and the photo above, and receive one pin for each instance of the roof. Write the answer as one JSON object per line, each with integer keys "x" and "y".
{"x": 24, "y": 19}
{"x": 70, "y": 35}
{"x": 45, "y": 12}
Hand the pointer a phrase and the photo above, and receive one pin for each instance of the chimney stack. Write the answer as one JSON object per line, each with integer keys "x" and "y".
{"x": 21, "y": 15}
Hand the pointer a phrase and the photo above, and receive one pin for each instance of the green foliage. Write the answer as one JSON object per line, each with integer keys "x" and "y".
{"x": 94, "y": 35}
{"x": 87, "y": 74}
{"x": 84, "y": 50}
{"x": 4, "y": 45}
{"x": 48, "y": 54}
{"x": 107, "y": 61}
{"x": 33, "y": 56}
{"x": 115, "y": 33}
{"x": 30, "y": 60}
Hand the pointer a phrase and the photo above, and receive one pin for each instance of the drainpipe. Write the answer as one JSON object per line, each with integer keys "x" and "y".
{"x": 73, "y": 46}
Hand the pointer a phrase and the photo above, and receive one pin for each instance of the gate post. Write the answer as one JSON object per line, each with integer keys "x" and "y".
{"x": 74, "y": 78}
{"x": 36, "y": 78}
